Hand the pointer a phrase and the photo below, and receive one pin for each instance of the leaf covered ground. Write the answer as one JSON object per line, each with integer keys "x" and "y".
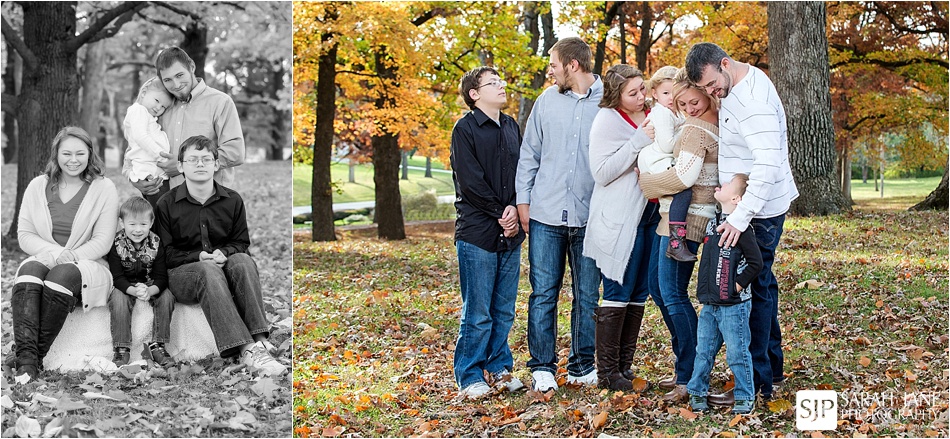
{"x": 375, "y": 324}
{"x": 207, "y": 398}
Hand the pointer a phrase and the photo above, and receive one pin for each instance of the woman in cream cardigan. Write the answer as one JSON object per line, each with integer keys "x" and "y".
{"x": 696, "y": 167}
{"x": 67, "y": 224}
{"x": 615, "y": 237}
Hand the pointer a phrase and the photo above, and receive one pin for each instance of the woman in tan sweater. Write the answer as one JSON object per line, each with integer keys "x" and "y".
{"x": 696, "y": 154}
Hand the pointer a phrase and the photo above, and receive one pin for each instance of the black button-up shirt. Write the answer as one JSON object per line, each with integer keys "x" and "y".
{"x": 187, "y": 227}
{"x": 484, "y": 157}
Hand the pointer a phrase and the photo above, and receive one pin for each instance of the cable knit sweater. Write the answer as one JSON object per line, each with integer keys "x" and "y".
{"x": 90, "y": 239}
{"x": 696, "y": 152}
{"x": 616, "y": 204}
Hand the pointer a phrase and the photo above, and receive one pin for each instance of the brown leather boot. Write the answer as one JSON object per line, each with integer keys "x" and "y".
{"x": 610, "y": 322}
{"x": 667, "y": 383}
{"x": 628, "y": 342}
{"x": 678, "y": 394}
{"x": 678, "y": 250}
{"x": 724, "y": 399}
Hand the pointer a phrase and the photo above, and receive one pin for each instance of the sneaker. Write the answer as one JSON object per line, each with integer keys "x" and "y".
{"x": 121, "y": 356}
{"x": 590, "y": 379}
{"x": 743, "y": 406}
{"x": 475, "y": 391}
{"x": 159, "y": 354}
{"x": 256, "y": 357}
{"x": 698, "y": 403}
{"x": 505, "y": 379}
{"x": 543, "y": 381}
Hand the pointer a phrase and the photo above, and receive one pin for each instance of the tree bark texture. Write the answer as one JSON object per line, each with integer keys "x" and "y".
{"x": 799, "y": 70}
{"x": 645, "y": 40}
{"x": 600, "y": 51}
{"x": 195, "y": 44}
{"x": 12, "y": 78}
{"x": 532, "y": 16}
{"x": 386, "y": 159}
{"x": 939, "y": 199}
{"x": 321, "y": 192}
{"x": 47, "y": 100}
{"x": 93, "y": 84}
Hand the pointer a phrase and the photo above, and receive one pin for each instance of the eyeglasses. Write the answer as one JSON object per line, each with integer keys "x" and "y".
{"x": 500, "y": 84}
{"x": 207, "y": 161}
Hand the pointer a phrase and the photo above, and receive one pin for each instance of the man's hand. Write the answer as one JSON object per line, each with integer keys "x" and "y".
{"x": 523, "y": 216}
{"x": 219, "y": 258}
{"x": 152, "y": 291}
{"x": 168, "y": 165}
{"x": 205, "y": 256}
{"x": 730, "y": 235}
{"x": 149, "y": 186}
{"x": 509, "y": 218}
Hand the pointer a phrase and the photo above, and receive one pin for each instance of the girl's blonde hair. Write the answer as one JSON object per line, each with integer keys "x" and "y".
{"x": 681, "y": 83}
{"x": 151, "y": 84}
{"x": 665, "y": 73}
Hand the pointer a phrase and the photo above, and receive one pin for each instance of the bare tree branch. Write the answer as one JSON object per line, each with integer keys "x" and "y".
{"x": 121, "y": 64}
{"x": 9, "y": 104}
{"x": 939, "y": 28}
{"x": 87, "y": 35}
{"x": 161, "y": 22}
{"x": 179, "y": 11}
{"x": 30, "y": 63}
{"x": 371, "y": 75}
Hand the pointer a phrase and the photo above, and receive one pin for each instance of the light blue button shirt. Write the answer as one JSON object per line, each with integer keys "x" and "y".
{"x": 554, "y": 175}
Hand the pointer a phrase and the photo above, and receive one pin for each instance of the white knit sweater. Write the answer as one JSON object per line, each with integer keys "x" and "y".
{"x": 617, "y": 202}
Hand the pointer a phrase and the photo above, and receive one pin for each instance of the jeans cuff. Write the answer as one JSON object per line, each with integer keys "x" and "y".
{"x": 122, "y": 345}
{"x": 544, "y": 369}
{"x": 588, "y": 370}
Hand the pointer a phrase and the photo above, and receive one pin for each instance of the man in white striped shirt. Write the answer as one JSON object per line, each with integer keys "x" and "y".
{"x": 753, "y": 140}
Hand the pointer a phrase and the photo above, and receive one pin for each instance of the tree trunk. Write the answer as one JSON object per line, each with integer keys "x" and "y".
{"x": 321, "y": 192}
{"x": 404, "y": 165}
{"x": 93, "y": 83}
{"x": 386, "y": 156}
{"x": 646, "y": 39}
{"x": 799, "y": 60}
{"x": 428, "y": 167}
{"x": 47, "y": 101}
{"x": 938, "y": 199}
{"x": 622, "y": 27}
{"x": 531, "y": 18}
{"x": 12, "y": 80}
{"x": 845, "y": 172}
{"x": 195, "y": 44}
{"x": 352, "y": 168}
{"x": 282, "y": 128}
{"x": 600, "y": 52}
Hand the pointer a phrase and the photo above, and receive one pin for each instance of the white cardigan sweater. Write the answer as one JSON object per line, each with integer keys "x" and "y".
{"x": 91, "y": 237}
{"x": 617, "y": 202}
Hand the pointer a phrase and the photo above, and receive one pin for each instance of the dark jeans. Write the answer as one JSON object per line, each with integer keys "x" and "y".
{"x": 679, "y": 207}
{"x": 120, "y": 312}
{"x": 489, "y": 284}
{"x": 230, "y": 298}
{"x": 547, "y": 248}
{"x": 674, "y": 279}
{"x": 638, "y": 275}
{"x": 766, "y": 343}
{"x": 652, "y": 245}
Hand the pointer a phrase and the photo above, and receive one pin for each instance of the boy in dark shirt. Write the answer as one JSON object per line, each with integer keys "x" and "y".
{"x": 137, "y": 263}
{"x": 203, "y": 227}
{"x": 484, "y": 153}
{"x": 725, "y": 274}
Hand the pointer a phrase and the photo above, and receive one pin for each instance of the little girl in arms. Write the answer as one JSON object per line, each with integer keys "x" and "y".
{"x": 658, "y": 156}
{"x": 146, "y": 139}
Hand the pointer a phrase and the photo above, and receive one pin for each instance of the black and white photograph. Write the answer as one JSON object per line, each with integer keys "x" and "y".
{"x": 146, "y": 221}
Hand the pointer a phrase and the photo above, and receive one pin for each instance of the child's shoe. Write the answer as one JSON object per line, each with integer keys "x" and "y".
{"x": 121, "y": 356}
{"x": 743, "y": 406}
{"x": 159, "y": 355}
{"x": 698, "y": 403}
{"x": 678, "y": 250}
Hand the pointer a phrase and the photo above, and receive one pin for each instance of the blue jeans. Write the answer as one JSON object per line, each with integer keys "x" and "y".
{"x": 489, "y": 284}
{"x": 652, "y": 245}
{"x": 718, "y": 324}
{"x": 636, "y": 278}
{"x": 230, "y": 298}
{"x": 120, "y": 313}
{"x": 547, "y": 248}
{"x": 766, "y": 346}
{"x": 674, "y": 279}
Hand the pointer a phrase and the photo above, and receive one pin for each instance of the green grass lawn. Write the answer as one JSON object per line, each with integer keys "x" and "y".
{"x": 364, "y": 188}
{"x": 899, "y": 194}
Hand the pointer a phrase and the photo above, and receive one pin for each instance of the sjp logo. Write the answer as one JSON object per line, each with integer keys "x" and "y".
{"x": 816, "y": 409}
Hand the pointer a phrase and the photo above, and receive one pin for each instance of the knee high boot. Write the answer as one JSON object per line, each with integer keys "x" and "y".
{"x": 610, "y": 322}
{"x": 25, "y": 305}
{"x": 55, "y": 308}
{"x": 628, "y": 340}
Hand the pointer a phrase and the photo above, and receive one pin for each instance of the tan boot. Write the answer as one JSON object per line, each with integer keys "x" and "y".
{"x": 667, "y": 383}
{"x": 678, "y": 394}
{"x": 724, "y": 399}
